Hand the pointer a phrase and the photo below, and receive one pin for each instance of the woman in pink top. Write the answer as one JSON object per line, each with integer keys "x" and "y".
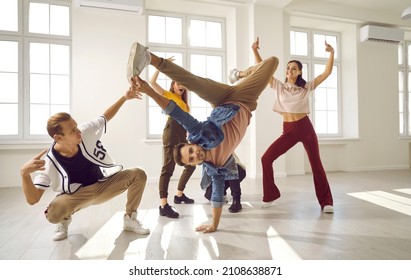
{"x": 292, "y": 102}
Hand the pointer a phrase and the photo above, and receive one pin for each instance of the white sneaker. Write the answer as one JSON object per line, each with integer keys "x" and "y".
{"x": 61, "y": 230}
{"x": 328, "y": 209}
{"x": 234, "y": 76}
{"x": 132, "y": 224}
{"x": 139, "y": 58}
{"x": 266, "y": 204}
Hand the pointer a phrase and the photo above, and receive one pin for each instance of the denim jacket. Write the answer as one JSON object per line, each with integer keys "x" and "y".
{"x": 208, "y": 134}
{"x": 216, "y": 176}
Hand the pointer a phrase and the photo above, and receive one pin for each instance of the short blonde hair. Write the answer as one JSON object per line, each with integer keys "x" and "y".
{"x": 53, "y": 123}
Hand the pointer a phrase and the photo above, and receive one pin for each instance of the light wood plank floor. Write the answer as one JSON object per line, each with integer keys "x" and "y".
{"x": 372, "y": 221}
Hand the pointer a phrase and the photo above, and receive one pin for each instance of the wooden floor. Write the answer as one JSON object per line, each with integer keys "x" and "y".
{"x": 372, "y": 221}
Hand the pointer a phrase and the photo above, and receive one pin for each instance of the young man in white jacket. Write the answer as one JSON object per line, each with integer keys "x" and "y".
{"x": 79, "y": 169}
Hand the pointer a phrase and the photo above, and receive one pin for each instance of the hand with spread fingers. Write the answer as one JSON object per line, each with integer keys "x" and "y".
{"x": 132, "y": 92}
{"x": 142, "y": 86}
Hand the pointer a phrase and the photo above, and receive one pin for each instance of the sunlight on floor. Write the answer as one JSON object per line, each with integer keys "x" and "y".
{"x": 247, "y": 204}
{"x": 166, "y": 237}
{"x": 214, "y": 245}
{"x": 203, "y": 253}
{"x": 199, "y": 215}
{"x": 279, "y": 248}
{"x": 391, "y": 201}
{"x": 101, "y": 244}
{"x": 406, "y": 191}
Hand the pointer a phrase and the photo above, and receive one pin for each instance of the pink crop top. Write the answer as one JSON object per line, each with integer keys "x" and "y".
{"x": 291, "y": 98}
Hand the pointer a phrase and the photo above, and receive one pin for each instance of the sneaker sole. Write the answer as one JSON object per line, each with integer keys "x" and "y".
{"x": 266, "y": 204}
{"x": 232, "y": 77}
{"x": 328, "y": 210}
{"x": 232, "y": 81}
{"x": 181, "y": 202}
{"x": 171, "y": 217}
{"x": 134, "y": 57}
{"x": 60, "y": 238}
{"x": 176, "y": 201}
{"x": 168, "y": 216}
{"x": 140, "y": 232}
{"x": 232, "y": 211}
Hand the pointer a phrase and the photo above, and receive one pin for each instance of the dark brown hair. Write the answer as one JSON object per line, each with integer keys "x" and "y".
{"x": 300, "y": 81}
{"x": 177, "y": 153}
{"x": 184, "y": 96}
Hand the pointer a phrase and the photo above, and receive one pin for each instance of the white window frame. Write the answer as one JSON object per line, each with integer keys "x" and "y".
{"x": 23, "y": 38}
{"x": 310, "y": 60}
{"x": 405, "y": 68}
{"x": 186, "y": 51}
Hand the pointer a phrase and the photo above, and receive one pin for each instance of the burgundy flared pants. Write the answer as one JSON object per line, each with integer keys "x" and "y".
{"x": 294, "y": 132}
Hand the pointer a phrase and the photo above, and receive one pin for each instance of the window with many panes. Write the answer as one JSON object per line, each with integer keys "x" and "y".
{"x": 195, "y": 43}
{"x": 404, "y": 85}
{"x": 309, "y": 48}
{"x": 35, "y": 44}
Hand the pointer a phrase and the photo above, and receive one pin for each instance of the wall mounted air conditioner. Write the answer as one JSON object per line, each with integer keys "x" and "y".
{"x": 381, "y": 34}
{"x": 122, "y": 5}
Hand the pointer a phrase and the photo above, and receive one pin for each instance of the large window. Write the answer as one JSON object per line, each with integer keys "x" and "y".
{"x": 309, "y": 47}
{"x": 35, "y": 68}
{"x": 404, "y": 80}
{"x": 195, "y": 43}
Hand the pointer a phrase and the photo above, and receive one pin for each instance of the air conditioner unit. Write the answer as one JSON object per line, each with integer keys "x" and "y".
{"x": 381, "y": 34}
{"x": 122, "y": 5}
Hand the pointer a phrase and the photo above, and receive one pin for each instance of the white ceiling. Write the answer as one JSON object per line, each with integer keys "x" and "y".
{"x": 383, "y": 11}
{"x": 394, "y": 6}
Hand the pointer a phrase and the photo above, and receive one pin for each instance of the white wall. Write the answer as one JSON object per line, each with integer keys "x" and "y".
{"x": 101, "y": 42}
{"x": 269, "y": 24}
{"x": 379, "y": 146}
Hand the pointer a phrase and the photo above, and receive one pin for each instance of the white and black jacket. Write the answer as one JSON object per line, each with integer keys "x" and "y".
{"x": 55, "y": 177}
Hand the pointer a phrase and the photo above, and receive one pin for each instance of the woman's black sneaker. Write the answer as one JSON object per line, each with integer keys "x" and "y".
{"x": 183, "y": 198}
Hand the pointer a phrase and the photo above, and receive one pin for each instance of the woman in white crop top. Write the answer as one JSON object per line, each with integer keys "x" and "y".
{"x": 292, "y": 103}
